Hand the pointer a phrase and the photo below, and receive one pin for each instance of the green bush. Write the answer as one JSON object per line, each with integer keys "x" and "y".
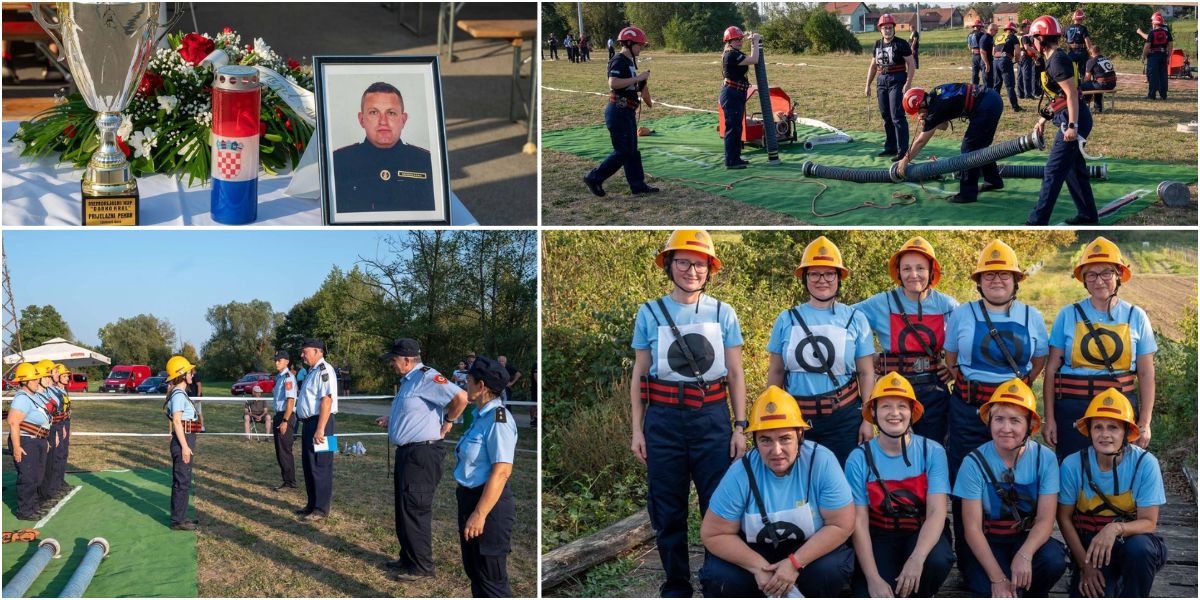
{"x": 1173, "y": 431}
{"x": 684, "y": 35}
{"x": 828, "y": 34}
{"x": 784, "y": 32}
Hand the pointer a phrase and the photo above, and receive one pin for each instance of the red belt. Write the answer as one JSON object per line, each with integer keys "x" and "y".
{"x": 60, "y": 417}
{"x": 969, "y": 101}
{"x": 829, "y": 402}
{"x": 737, "y": 85}
{"x": 1107, "y": 79}
{"x": 1158, "y": 50}
{"x": 1002, "y": 527}
{"x": 974, "y": 393}
{"x": 975, "y": 51}
{"x": 1091, "y": 523}
{"x": 1086, "y": 387}
{"x": 623, "y": 102}
{"x": 906, "y": 363}
{"x": 683, "y": 394}
{"x": 894, "y": 69}
{"x": 1000, "y": 55}
{"x": 191, "y": 426}
{"x": 894, "y": 524}
{"x": 34, "y": 430}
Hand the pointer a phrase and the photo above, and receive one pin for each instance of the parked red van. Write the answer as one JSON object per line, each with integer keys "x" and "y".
{"x": 125, "y": 378}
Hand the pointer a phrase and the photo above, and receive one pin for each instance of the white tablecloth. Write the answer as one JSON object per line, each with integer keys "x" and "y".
{"x": 41, "y": 192}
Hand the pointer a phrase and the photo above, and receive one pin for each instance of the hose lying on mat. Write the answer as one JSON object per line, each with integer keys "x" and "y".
{"x": 928, "y": 170}
{"x": 1039, "y": 171}
{"x": 20, "y": 583}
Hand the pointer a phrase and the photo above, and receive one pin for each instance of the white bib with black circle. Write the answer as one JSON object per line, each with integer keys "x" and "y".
{"x": 707, "y": 346}
{"x": 801, "y": 352}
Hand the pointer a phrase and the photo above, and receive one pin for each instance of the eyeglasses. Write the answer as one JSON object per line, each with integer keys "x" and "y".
{"x": 814, "y": 276}
{"x": 1094, "y": 275}
{"x": 684, "y": 265}
{"x": 994, "y": 275}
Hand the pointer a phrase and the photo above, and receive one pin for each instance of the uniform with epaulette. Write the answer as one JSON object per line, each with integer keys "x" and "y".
{"x": 318, "y": 466}
{"x": 285, "y": 390}
{"x": 415, "y": 426}
{"x": 371, "y": 179}
{"x": 492, "y": 439}
{"x": 29, "y": 435}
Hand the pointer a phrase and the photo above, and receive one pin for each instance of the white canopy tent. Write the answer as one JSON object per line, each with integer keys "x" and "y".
{"x": 61, "y": 351}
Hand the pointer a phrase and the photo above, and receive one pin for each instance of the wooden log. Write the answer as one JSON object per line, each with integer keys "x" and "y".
{"x": 587, "y": 552}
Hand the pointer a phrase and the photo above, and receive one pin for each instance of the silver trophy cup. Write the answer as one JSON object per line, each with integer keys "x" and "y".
{"x": 107, "y": 47}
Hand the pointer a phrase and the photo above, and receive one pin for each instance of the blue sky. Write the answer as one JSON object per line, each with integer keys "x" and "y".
{"x": 175, "y": 275}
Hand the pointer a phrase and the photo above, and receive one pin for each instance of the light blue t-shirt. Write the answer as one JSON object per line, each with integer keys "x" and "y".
{"x": 179, "y": 402}
{"x": 926, "y": 456}
{"x": 419, "y": 406}
{"x": 1022, "y": 330}
{"x": 843, "y": 331}
{"x": 1140, "y": 336}
{"x": 795, "y": 498}
{"x": 491, "y": 439}
{"x": 34, "y": 407}
{"x": 709, "y": 323}
{"x": 285, "y": 387}
{"x": 1146, "y": 488}
{"x": 321, "y": 381}
{"x": 880, "y": 308}
{"x": 1036, "y": 474}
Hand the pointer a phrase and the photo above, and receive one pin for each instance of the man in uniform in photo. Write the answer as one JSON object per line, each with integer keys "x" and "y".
{"x": 383, "y": 173}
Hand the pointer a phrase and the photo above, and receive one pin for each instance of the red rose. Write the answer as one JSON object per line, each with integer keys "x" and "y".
{"x": 195, "y": 47}
{"x": 288, "y": 124}
{"x": 293, "y": 64}
{"x": 124, "y": 148}
{"x": 227, "y": 30}
{"x": 298, "y": 146}
{"x": 69, "y": 131}
{"x": 262, "y": 129}
{"x": 151, "y": 83}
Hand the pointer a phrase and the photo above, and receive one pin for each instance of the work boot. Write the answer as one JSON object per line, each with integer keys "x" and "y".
{"x": 887, "y": 153}
{"x": 1080, "y": 220}
{"x": 898, "y": 157}
{"x": 645, "y": 190}
{"x": 184, "y": 526}
{"x": 283, "y": 487}
{"x": 990, "y": 187}
{"x": 315, "y": 515}
{"x": 412, "y": 577}
{"x": 738, "y": 165}
{"x": 303, "y": 511}
{"x": 1018, "y": 109}
{"x": 595, "y": 187}
{"x": 960, "y": 199}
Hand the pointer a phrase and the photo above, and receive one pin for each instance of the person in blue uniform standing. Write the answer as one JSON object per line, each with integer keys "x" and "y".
{"x": 28, "y": 432}
{"x": 1004, "y": 55}
{"x": 1079, "y": 40}
{"x": 1157, "y": 52}
{"x": 914, "y": 42}
{"x": 423, "y": 411}
{"x": 900, "y": 483}
{"x": 317, "y": 407}
{"x": 823, "y": 353}
{"x": 486, "y": 511}
{"x": 1060, "y": 81}
{"x": 185, "y": 424}
{"x": 382, "y": 172}
{"x": 910, "y": 323}
{"x": 284, "y": 431}
{"x": 892, "y": 69}
{"x": 783, "y": 510}
{"x": 1108, "y": 504}
{"x": 1027, "y": 88}
{"x": 620, "y": 117}
{"x": 981, "y": 106}
{"x": 1009, "y": 492}
{"x": 687, "y": 382}
{"x": 979, "y": 66}
{"x": 1099, "y": 343}
{"x": 734, "y": 64}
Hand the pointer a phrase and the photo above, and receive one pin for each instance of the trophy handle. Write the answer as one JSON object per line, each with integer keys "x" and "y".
{"x": 40, "y": 14}
{"x": 178, "y": 14}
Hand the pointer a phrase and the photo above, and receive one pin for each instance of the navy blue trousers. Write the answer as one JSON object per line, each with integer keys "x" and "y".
{"x": 485, "y": 558}
{"x": 181, "y": 477}
{"x": 415, "y": 477}
{"x": 1088, "y": 86}
{"x": 1049, "y": 564}
{"x": 966, "y": 433}
{"x": 733, "y": 104}
{"x": 1066, "y": 165}
{"x": 1130, "y": 574}
{"x": 1026, "y": 82}
{"x": 1156, "y": 74}
{"x": 837, "y": 431}
{"x": 1079, "y": 56}
{"x": 889, "y": 92}
{"x": 1066, "y": 412}
{"x": 822, "y": 578}
{"x": 935, "y": 397}
{"x": 682, "y": 445}
{"x": 981, "y": 130}
{"x": 978, "y": 70}
{"x": 30, "y": 473}
{"x": 622, "y": 129}
{"x": 892, "y": 550}
{"x": 56, "y": 463}
{"x": 284, "y": 446}
{"x": 1003, "y": 69}
{"x": 318, "y": 467}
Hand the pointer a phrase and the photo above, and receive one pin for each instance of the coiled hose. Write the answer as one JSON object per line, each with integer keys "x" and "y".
{"x": 927, "y": 170}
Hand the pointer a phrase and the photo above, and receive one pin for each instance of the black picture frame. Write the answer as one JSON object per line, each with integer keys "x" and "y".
{"x": 339, "y": 83}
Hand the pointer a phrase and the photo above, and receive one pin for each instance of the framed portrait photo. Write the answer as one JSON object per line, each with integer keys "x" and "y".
{"x": 382, "y": 131}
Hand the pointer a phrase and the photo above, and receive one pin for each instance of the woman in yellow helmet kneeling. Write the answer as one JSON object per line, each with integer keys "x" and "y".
{"x": 781, "y": 511}
{"x": 1108, "y": 503}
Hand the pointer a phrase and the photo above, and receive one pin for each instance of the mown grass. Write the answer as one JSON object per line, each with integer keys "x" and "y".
{"x": 828, "y": 88}
{"x": 249, "y": 543}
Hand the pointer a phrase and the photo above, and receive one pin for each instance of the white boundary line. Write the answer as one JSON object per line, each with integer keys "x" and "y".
{"x": 115, "y": 434}
{"x": 54, "y": 510}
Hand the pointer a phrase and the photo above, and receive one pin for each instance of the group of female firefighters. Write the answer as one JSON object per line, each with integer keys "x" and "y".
{"x": 39, "y": 430}
{"x": 855, "y": 453}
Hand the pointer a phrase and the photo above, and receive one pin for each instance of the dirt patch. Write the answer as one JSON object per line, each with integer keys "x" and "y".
{"x": 1164, "y": 298}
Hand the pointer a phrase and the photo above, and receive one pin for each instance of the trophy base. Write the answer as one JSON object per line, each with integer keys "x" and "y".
{"x": 111, "y": 210}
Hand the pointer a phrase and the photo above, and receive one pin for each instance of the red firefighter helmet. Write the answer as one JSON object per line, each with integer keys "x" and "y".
{"x": 1078, "y": 16}
{"x": 632, "y": 34}
{"x": 1025, "y": 23}
{"x": 886, "y": 19}
{"x": 1010, "y": 27}
{"x": 1156, "y": 19}
{"x": 1045, "y": 25}
{"x": 913, "y": 99}
{"x": 978, "y": 23}
{"x": 733, "y": 33}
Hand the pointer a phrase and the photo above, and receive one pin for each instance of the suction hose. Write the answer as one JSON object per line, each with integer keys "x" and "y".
{"x": 811, "y": 169}
{"x": 927, "y": 170}
{"x": 19, "y": 584}
{"x": 1039, "y": 171}
{"x": 77, "y": 585}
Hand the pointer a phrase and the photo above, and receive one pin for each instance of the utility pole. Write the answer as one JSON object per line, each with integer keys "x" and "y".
{"x": 579, "y": 11}
{"x": 12, "y": 325}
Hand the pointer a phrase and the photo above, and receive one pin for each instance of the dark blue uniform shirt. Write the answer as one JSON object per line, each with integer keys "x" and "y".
{"x": 732, "y": 68}
{"x": 623, "y": 67}
{"x": 947, "y": 101}
{"x": 383, "y": 179}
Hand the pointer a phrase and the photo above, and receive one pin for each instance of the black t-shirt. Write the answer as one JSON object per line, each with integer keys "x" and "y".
{"x": 1030, "y": 52}
{"x": 891, "y": 54}
{"x": 946, "y": 102}
{"x": 1076, "y": 33}
{"x": 987, "y": 43}
{"x": 623, "y": 67}
{"x": 512, "y": 373}
{"x": 1100, "y": 67}
{"x": 732, "y": 68}
{"x": 1159, "y": 37}
{"x": 1009, "y": 44}
{"x": 1060, "y": 67}
{"x": 914, "y": 41}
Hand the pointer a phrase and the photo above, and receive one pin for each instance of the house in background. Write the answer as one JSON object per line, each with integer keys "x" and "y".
{"x": 1006, "y": 13}
{"x": 970, "y": 18}
{"x": 940, "y": 18}
{"x": 854, "y": 15}
{"x": 905, "y": 21}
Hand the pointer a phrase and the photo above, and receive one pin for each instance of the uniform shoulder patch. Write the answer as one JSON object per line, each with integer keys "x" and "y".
{"x": 320, "y": 366}
{"x": 287, "y": 385}
{"x": 501, "y": 415}
{"x": 439, "y": 378}
{"x": 418, "y": 148}
{"x": 425, "y": 368}
{"x": 324, "y": 376}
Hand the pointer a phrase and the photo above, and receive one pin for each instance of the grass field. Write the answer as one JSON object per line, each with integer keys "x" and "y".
{"x": 828, "y": 88}
{"x": 249, "y": 543}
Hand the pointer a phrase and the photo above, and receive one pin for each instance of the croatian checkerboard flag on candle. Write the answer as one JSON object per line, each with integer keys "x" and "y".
{"x": 235, "y": 130}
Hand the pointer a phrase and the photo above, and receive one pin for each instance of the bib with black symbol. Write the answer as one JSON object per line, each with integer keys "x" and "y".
{"x": 790, "y": 525}
{"x": 708, "y": 348}
{"x": 827, "y": 341}
{"x": 907, "y": 338}
{"x": 987, "y": 356}
{"x": 1090, "y": 348}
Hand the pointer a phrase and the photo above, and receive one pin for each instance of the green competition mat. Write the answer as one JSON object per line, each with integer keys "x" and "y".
{"x": 130, "y": 509}
{"x": 686, "y": 149}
